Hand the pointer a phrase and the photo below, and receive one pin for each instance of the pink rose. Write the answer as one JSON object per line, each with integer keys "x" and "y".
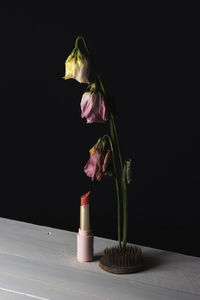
{"x": 93, "y": 107}
{"x": 98, "y": 161}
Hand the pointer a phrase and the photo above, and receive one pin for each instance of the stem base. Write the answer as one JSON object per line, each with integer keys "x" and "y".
{"x": 124, "y": 261}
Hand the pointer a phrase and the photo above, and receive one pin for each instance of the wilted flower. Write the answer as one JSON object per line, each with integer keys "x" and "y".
{"x": 93, "y": 106}
{"x": 106, "y": 160}
{"x": 98, "y": 161}
{"x": 77, "y": 67}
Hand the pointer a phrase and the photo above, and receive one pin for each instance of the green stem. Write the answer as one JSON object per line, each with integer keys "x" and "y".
{"x": 125, "y": 213}
{"x": 123, "y": 184}
{"x": 117, "y": 189}
{"x": 117, "y": 140}
{"x": 118, "y": 172}
{"x": 101, "y": 85}
{"x": 80, "y": 37}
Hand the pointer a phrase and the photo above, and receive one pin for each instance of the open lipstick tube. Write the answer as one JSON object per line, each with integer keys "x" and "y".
{"x": 85, "y": 238}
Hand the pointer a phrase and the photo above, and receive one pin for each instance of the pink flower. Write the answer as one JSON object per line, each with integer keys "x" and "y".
{"x": 106, "y": 160}
{"x": 98, "y": 161}
{"x": 93, "y": 106}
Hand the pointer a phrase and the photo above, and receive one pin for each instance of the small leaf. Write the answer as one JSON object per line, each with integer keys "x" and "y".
{"x": 127, "y": 172}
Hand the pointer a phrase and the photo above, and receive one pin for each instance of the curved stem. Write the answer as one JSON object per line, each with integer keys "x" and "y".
{"x": 123, "y": 183}
{"x": 80, "y": 37}
{"x": 117, "y": 188}
{"x": 125, "y": 213}
{"x": 117, "y": 140}
{"x": 101, "y": 85}
{"x": 117, "y": 169}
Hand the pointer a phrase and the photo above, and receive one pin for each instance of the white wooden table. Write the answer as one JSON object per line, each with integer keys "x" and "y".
{"x": 38, "y": 262}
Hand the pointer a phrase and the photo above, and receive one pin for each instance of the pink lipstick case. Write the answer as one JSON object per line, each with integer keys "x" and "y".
{"x": 85, "y": 238}
{"x": 85, "y": 245}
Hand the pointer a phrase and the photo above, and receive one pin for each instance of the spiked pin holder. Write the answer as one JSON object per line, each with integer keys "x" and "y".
{"x": 122, "y": 262}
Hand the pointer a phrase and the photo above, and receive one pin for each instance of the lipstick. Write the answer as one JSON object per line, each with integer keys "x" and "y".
{"x": 85, "y": 237}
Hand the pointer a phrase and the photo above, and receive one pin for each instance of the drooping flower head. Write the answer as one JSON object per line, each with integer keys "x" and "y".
{"x": 93, "y": 105}
{"x": 77, "y": 66}
{"x": 98, "y": 161}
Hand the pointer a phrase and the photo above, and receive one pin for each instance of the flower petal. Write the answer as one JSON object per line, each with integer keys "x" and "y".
{"x": 106, "y": 160}
{"x": 93, "y": 107}
{"x": 94, "y": 166}
{"x": 77, "y": 66}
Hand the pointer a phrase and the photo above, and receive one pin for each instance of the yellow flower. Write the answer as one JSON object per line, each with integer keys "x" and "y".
{"x": 77, "y": 67}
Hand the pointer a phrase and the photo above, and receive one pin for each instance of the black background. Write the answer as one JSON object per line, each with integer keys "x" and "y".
{"x": 145, "y": 54}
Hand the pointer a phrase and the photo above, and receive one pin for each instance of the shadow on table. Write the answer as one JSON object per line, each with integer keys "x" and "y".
{"x": 152, "y": 260}
{"x": 97, "y": 256}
